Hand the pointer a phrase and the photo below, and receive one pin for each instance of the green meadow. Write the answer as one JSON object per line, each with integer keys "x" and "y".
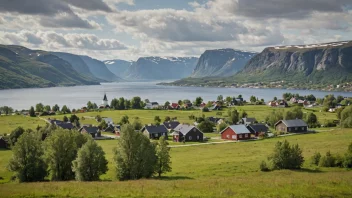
{"x": 208, "y": 170}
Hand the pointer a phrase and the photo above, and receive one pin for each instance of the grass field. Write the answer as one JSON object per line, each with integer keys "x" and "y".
{"x": 219, "y": 170}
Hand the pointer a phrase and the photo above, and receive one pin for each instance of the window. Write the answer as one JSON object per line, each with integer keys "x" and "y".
{"x": 240, "y": 136}
{"x": 289, "y": 129}
{"x": 296, "y": 128}
{"x": 190, "y": 138}
{"x": 227, "y": 136}
{"x": 156, "y": 135}
{"x": 197, "y": 137}
{"x": 302, "y": 128}
{"x": 246, "y": 135}
{"x": 234, "y": 137}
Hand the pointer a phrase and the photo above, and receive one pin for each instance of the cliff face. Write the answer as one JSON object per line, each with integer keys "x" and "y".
{"x": 118, "y": 67}
{"x": 221, "y": 62}
{"x": 319, "y": 63}
{"x": 99, "y": 70}
{"x": 160, "y": 68}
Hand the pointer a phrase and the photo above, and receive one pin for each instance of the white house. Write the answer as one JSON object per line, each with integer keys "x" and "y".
{"x": 151, "y": 105}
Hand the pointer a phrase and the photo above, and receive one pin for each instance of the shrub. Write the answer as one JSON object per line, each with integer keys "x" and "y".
{"x": 286, "y": 156}
{"x": 327, "y": 161}
{"x": 205, "y": 109}
{"x": 316, "y": 158}
{"x": 263, "y": 166}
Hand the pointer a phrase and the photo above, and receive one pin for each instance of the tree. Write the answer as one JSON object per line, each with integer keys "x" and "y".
{"x": 56, "y": 108}
{"x": 239, "y": 96}
{"x": 206, "y": 126}
{"x": 180, "y": 102}
{"x": 103, "y": 125}
{"x": 329, "y": 101}
{"x": 157, "y": 120}
{"x": 346, "y": 117}
{"x": 90, "y": 105}
{"x": 65, "y": 109}
{"x": 275, "y": 98}
{"x": 39, "y": 107}
{"x": 47, "y": 108}
{"x": 114, "y": 104}
{"x": 137, "y": 124}
{"x": 6, "y": 110}
{"x": 122, "y": 105}
{"x": 163, "y": 163}
{"x": 65, "y": 119}
{"x": 128, "y": 104}
{"x": 74, "y": 118}
{"x": 98, "y": 118}
{"x": 339, "y": 99}
{"x": 221, "y": 127}
{"x": 312, "y": 120}
{"x": 90, "y": 162}
{"x": 347, "y": 162}
{"x": 95, "y": 106}
{"x": 27, "y": 159}
{"x": 253, "y": 99}
{"x": 32, "y": 112}
{"x": 228, "y": 100}
{"x": 220, "y": 98}
{"x": 134, "y": 156}
{"x": 234, "y": 117}
{"x": 167, "y": 119}
{"x": 15, "y": 135}
{"x": 296, "y": 113}
{"x": 274, "y": 117}
{"x": 339, "y": 112}
{"x": 61, "y": 149}
{"x": 124, "y": 120}
{"x": 243, "y": 114}
{"x": 316, "y": 158}
{"x": 167, "y": 104}
{"x": 286, "y": 156}
{"x": 136, "y": 103}
{"x": 198, "y": 101}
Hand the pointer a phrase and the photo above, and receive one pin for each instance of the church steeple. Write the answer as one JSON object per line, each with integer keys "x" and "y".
{"x": 105, "y": 98}
{"x": 105, "y": 101}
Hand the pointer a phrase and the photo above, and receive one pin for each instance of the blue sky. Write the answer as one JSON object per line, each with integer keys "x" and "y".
{"x": 129, "y": 29}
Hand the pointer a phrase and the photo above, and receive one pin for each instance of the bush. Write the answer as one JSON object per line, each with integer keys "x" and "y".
{"x": 286, "y": 156}
{"x": 205, "y": 109}
{"x": 327, "y": 161}
{"x": 263, "y": 166}
{"x": 316, "y": 158}
{"x": 329, "y": 123}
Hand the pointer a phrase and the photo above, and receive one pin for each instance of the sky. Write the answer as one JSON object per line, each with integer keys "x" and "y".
{"x": 129, "y": 29}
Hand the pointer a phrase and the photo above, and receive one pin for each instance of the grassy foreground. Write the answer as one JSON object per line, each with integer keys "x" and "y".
{"x": 219, "y": 170}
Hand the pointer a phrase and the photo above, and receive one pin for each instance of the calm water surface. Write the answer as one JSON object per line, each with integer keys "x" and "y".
{"x": 77, "y": 97}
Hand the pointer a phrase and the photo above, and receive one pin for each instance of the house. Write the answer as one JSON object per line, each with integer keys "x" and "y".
{"x": 296, "y": 125}
{"x": 236, "y": 132}
{"x": 175, "y": 106}
{"x": 92, "y": 130}
{"x": 280, "y": 104}
{"x": 155, "y": 131}
{"x": 187, "y": 133}
{"x": 110, "y": 128}
{"x": 151, "y": 105}
{"x": 3, "y": 143}
{"x": 61, "y": 124}
{"x": 215, "y": 120}
{"x": 256, "y": 129}
{"x": 188, "y": 105}
{"x": 171, "y": 125}
{"x": 247, "y": 121}
{"x": 108, "y": 121}
{"x": 303, "y": 102}
{"x": 293, "y": 100}
{"x": 117, "y": 130}
{"x": 215, "y": 107}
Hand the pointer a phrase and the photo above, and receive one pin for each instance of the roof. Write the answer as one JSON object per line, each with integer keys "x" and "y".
{"x": 238, "y": 129}
{"x": 105, "y": 98}
{"x": 184, "y": 128}
{"x": 156, "y": 129}
{"x": 171, "y": 124}
{"x": 64, "y": 125}
{"x": 251, "y": 120}
{"x": 293, "y": 123}
{"x": 259, "y": 127}
{"x": 214, "y": 119}
{"x": 175, "y": 105}
{"x": 90, "y": 129}
{"x": 154, "y": 103}
{"x": 108, "y": 120}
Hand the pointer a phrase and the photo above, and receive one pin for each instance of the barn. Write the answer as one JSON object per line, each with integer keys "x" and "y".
{"x": 236, "y": 132}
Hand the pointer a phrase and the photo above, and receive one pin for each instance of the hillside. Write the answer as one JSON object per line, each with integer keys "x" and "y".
{"x": 328, "y": 63}
{"x": 118, "y": 67}
{"x": 221, "y": 62}
{"x": 161, "y": 68}
{"x": 24, "y": 68}
{"x": 99, "y": 70}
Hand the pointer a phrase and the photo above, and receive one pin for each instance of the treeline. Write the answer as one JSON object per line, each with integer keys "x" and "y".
{"x": 63, "y": 155}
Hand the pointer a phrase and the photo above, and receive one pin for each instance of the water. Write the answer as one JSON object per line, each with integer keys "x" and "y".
{"x": 77, "y": 97}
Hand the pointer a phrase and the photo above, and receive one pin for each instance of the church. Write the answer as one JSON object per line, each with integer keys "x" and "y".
{"x": 104, "y": 103}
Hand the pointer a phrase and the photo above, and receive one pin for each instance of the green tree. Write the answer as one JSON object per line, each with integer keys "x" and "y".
{"x": 239, "y": 96}
{"x": 339, "y": 99}
{"x": 234, "y": 117}
{"x": 90, "y": 162}
{"x": 56, "y": 108}
{"x": 327, "y": 161}
{"x": 115, "y": 104}
{"x": 346, "y": 117}
{"x": 32, "y": 112}
{"x": 167, "y": 119}
{"x": 124, "y": 120}
{"x": 65, "y": 119}
{"x": 312, "y": 120}
{"x": 275, "y": 98}
{"x": 60, "y": 150}
{"x": 163, "y": 163}
{"x": 274, "y": 117}
{"x": 15, "y": 135}
{"x": 27, "y": 159}
{"x": 220, "y": 98}
{"x": 180, "y": 102}
{"x": 347, "y": 163}
{"x": 286, "y": 156}
{"x": 95, "y": 106}
{"x": 330, "y": 101}
{"x": 6, "y": 110}
{"x": 316, "y": 158}
{"x": 122, "y": 105}
{"x": 206, "y": 126}
{"x": 167, "y": 104}
{"x": 243, "y": 114}
{"x": 198, "y": 101}
{"x": 137, "y": 124}
{"x": 47, "y": 108}
{"x": 296, "y": 113}
{"x": 74, "y": 118}
{"x": 228, "y": 99}
{"x": 136, "y": 103}
{"x": 221, "y": 127}
{"x": 157, "y": 120}
{"x": 90, "y": 105}
{"x": 253, "y": 99}
{"x": 103, "y": 125}
{"x": 39, "y": 107}
{"x": 98, "y": 118}
{"x": 134, "y": 156}
{"x": 65, "y": 109}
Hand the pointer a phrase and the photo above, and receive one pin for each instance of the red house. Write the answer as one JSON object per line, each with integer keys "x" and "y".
{"x": 236, "y": 132}
{"x": 175, "y": 106}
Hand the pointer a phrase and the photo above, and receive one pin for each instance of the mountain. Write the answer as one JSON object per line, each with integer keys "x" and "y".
{"x": 161, "y": 68}
{"x": 221, "y": 62}
{"x": 77, "y": 63}
{"x": 327, "y": 63}
{"x": 118, "y": 67}
{"x": 21, "y": 67}
{"x": 99, "y": 70}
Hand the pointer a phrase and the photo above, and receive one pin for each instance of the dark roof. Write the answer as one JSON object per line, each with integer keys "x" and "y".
{"x": 251, "y": 120}
{"x": 238, "y": 129}
{"x": 105, "y": 98}
{"x": 293, "y": 123}
{"x": 184, "y": 128}
{"x": 155, "y": 129}
{"x": 171, "y": 124}
{"x": 214, "y": 119}
{"x": 65, "y": 125}
{"x": 90, "y": 129}
{"x": 258, "y": 127}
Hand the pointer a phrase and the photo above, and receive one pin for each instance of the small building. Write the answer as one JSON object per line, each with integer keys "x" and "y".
{"x": 294, "y": 126}
{"x": 155, "y": 131}
{"x": 215, "y": 120}
{"x": 215, "y": 107}
{"x": 61, "y": 124}
{"x": 92, "y": 130}
{"x": 188, "y": 105}
{"x": 187, "y": 133}
{"x": 256, "y": 129}
{"x": 171, "y": 125}
{"x": 236, "y": 132}
{"x": 247, "y": 121}
{"x": 175, "y": 106}
{"x": 110, "y": 128}
{"x": 151, "y": 105}
{"x": 3, "y": 143}
{"x": 108, "y": 121}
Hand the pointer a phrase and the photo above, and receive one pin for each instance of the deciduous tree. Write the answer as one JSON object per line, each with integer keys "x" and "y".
{"x": 163, "y": 163}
